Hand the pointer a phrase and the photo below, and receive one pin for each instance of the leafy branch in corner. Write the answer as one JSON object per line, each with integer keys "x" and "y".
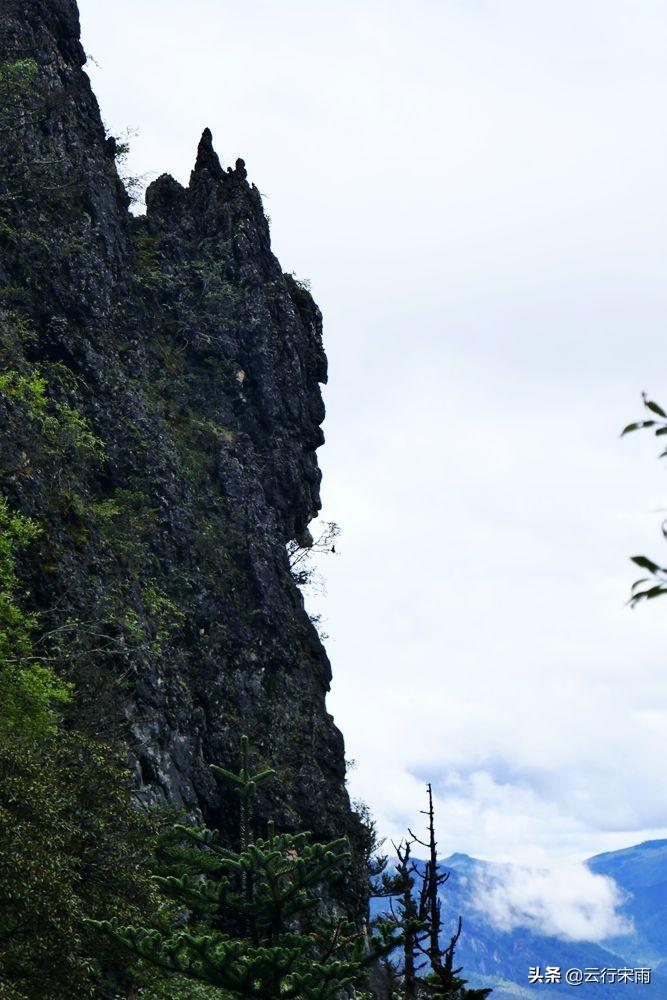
{"x": 657, "y": 581}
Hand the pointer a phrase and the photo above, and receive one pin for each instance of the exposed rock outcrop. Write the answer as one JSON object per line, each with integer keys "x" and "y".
{"x": 170, "y": 452}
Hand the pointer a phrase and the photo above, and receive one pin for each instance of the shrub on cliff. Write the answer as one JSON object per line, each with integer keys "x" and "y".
{"x": 18, "y": 93}
{"x": 29, "y": 690}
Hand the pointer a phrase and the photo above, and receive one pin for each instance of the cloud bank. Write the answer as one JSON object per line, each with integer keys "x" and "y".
{"x": 568, "y": 902}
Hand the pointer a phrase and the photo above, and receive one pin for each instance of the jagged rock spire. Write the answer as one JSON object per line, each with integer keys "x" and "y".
{"x": 207, "y": 158}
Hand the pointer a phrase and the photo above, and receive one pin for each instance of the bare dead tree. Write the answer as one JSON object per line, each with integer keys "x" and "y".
{"x": 410, "y": 922}
{"x": 430, "y": 907}
{"x": 301, "y": 550}
{"x": 444, "y": 980}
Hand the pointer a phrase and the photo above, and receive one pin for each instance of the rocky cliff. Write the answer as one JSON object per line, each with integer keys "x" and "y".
{"x": 160, "y": 413}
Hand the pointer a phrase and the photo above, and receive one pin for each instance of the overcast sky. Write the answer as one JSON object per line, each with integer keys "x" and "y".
{"x": 477, "y": 191}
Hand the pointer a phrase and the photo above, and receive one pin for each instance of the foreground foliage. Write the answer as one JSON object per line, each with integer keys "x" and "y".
{"x": 71, "y": 846}
{"x": 649, "y": 587}
{"x": 257, "y": 924}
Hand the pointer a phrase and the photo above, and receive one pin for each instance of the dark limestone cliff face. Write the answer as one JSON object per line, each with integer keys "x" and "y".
{"x": 160, "y": 412}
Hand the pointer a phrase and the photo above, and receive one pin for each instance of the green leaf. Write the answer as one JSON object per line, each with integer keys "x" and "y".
{"x": 638, "y": 426}
{"x": 648, "y": 594}
{"x": 227, "y": 774}
{"x": 650, "y": 405}
{"x": 646, "y": 564}
{"x": 263, "y": 775}
{"x": 660, "y": 431}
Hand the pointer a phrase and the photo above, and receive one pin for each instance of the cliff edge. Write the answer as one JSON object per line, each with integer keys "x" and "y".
{"x": 160, "y": 409}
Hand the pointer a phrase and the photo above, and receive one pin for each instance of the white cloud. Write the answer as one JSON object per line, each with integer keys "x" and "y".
{"x": 568, "y": 902}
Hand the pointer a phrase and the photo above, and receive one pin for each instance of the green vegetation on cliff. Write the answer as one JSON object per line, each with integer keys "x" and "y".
{"x": 159, "y": 412}
{"x": 30, "y": 692}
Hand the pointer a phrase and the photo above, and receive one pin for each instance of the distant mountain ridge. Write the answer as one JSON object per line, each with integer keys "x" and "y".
{"x": 641, "y": 872}
{"x": 491, "y": 956}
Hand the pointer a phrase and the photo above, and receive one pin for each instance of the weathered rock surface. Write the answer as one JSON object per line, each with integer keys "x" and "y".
{"x": 170, "y": 454}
